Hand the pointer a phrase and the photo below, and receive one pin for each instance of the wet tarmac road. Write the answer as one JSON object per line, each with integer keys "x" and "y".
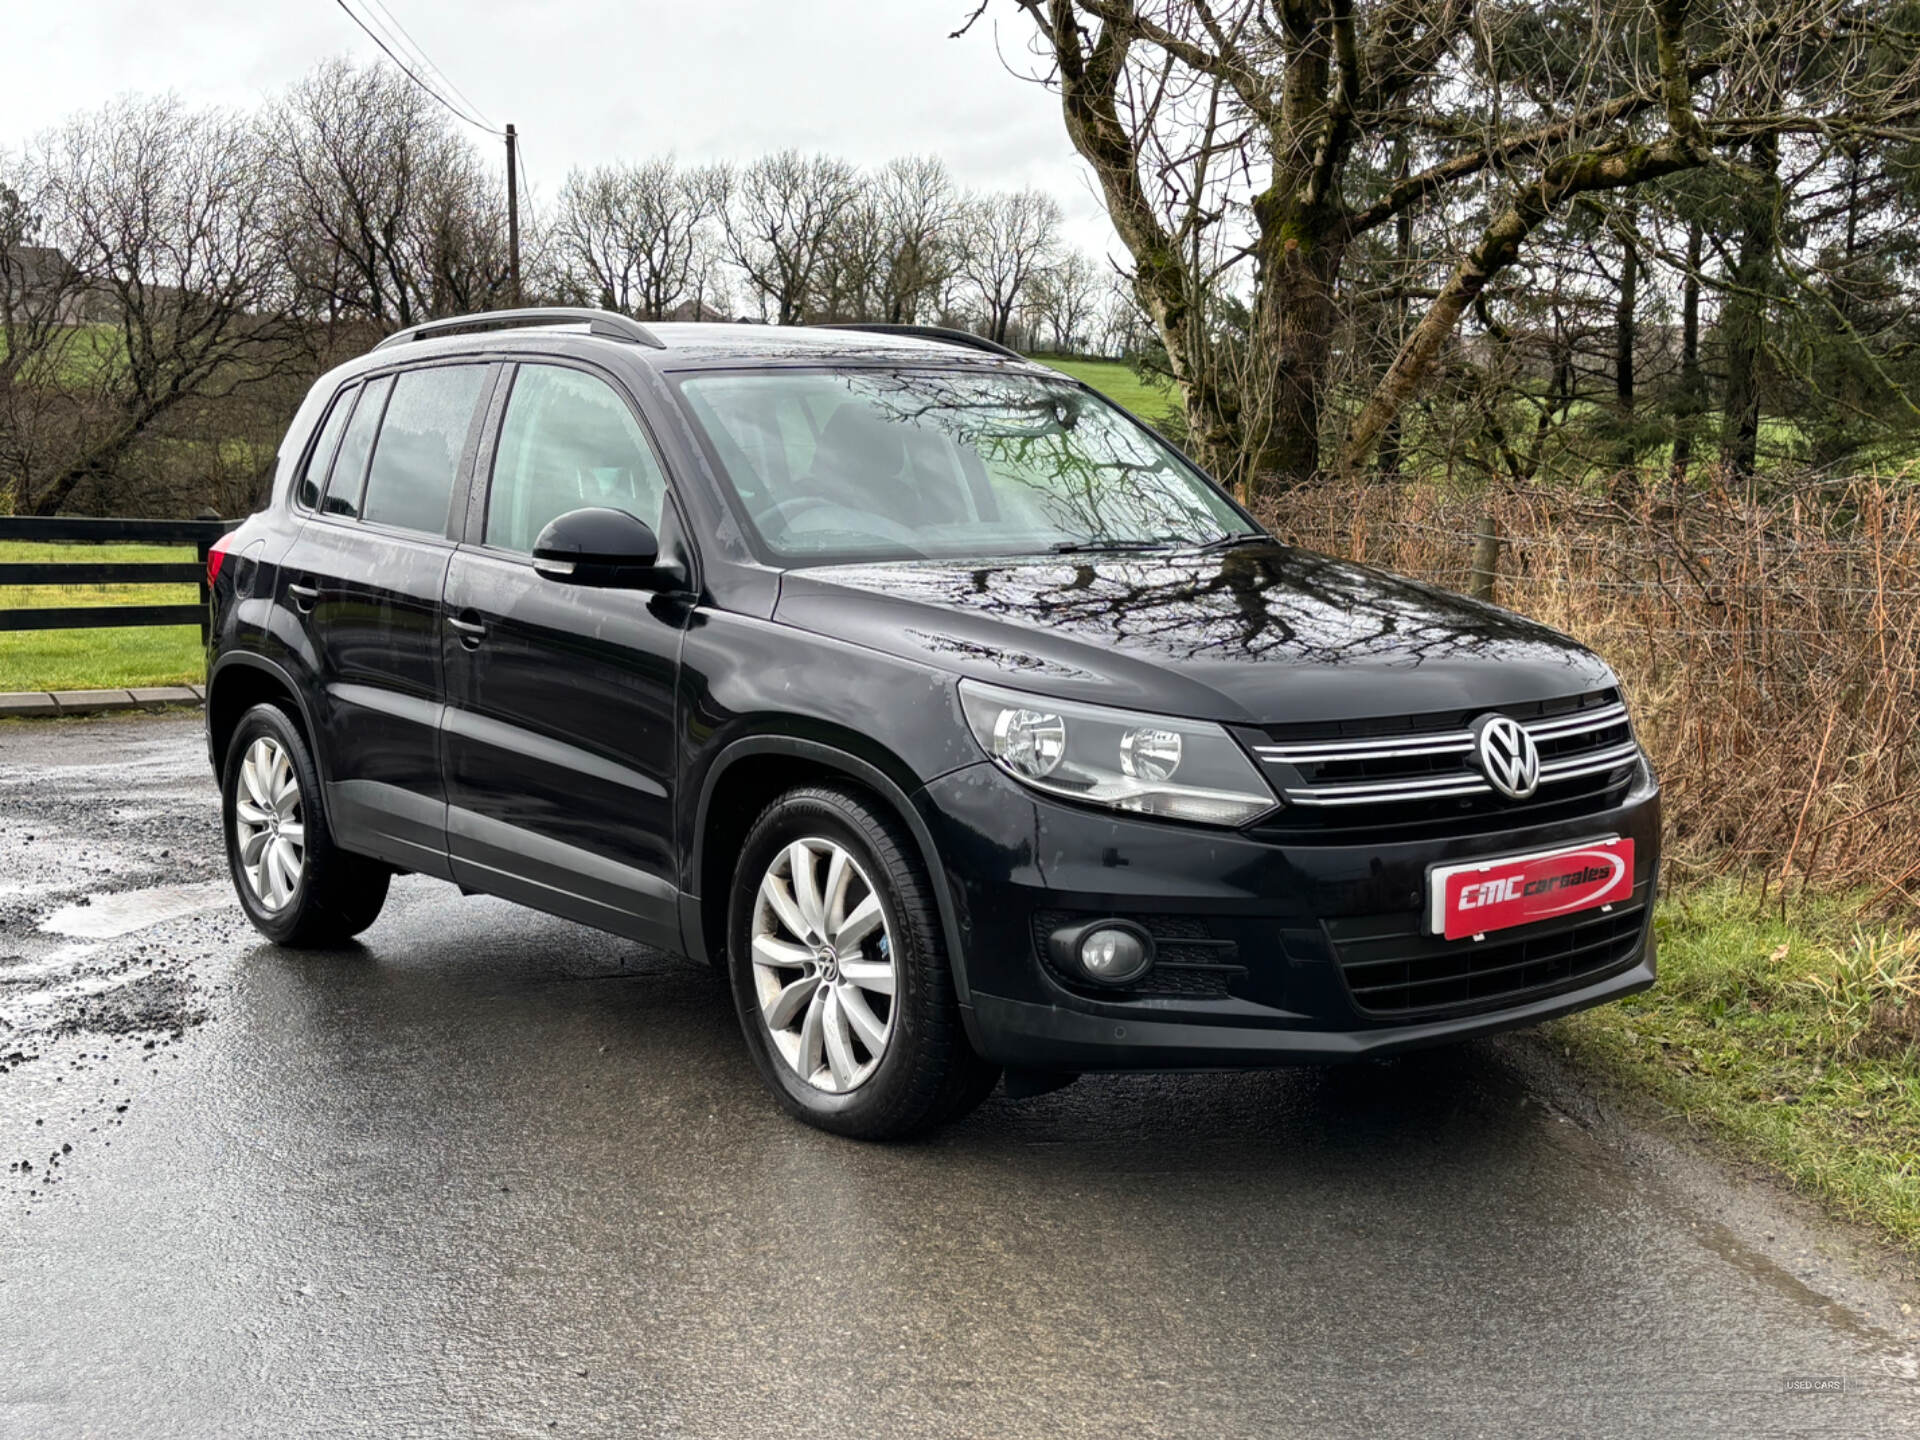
{"x": 495, "y": 1174}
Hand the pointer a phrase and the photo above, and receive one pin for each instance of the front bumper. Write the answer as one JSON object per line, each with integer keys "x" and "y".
{"x": 1276, "y": 928}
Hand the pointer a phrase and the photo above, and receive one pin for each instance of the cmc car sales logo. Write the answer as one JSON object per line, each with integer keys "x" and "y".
{"x": 1473, "y": 899}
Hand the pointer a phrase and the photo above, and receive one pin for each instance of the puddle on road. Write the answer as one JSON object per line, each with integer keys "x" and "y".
{"x": 105, "y": 916}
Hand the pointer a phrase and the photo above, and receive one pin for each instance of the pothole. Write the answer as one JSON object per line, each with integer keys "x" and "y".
{"x": 102, "y": 917}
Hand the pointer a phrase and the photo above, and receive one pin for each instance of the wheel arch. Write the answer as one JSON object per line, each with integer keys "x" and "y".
{"x": 769, "y": 764}
{"x": 240, "y": 680}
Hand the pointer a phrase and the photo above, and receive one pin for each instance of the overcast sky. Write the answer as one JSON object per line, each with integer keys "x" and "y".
{"x": 594, "y": 80}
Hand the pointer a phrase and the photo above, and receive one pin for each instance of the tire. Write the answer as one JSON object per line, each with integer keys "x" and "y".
{"x": 923, "y": 1073}
{"x": 303, "y": 891}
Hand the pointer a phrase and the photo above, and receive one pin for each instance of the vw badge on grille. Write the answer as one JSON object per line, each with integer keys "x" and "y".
{"x": 1507, "y": 756}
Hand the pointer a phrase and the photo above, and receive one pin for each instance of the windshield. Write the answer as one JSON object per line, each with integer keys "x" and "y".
{"x": 876, "y": 464}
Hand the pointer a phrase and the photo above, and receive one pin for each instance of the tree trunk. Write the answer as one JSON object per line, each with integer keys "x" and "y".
{"x": 1623, "y": 345}
{"x": 100, "y": 459}
{"x": 1294, "y": 321}
{"x": 1388, "y": 459}
{"x": 1691, "y": 398}
{"x": 1745, "y": 318}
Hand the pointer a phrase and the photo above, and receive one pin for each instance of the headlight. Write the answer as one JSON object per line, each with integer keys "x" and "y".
{"x": 1181, "y": 769}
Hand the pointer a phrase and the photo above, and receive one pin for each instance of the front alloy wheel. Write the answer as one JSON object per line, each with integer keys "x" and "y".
{"x": 823, "y": 965}
{"x": 840, "y": 971}
{"x": 268, "y": 824}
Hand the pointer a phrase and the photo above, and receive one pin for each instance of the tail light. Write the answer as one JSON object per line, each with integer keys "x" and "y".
{"x": 216, "y": 556}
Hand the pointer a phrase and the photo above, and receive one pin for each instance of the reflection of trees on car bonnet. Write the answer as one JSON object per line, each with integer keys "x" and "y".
{"x": 1270, "y": 601}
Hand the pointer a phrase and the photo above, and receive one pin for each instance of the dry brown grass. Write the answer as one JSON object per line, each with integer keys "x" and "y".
{"x": 1770, "y": 648}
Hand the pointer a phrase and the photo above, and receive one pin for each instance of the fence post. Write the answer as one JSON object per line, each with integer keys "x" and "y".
{"x": 1486, "y": 558}
{"x": 203, "y": 548}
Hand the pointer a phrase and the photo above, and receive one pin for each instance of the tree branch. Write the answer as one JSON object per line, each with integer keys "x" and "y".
{"x": 1609, "y": 169}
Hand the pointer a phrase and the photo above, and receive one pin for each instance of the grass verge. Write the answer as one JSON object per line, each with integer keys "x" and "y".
{"x": 1798, "y": 1043}
{"x": 115, "y": 658}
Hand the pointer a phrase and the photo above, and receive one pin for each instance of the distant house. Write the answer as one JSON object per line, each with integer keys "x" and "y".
{"x": 31, "y": 275}
{"x": 700, "y": 309}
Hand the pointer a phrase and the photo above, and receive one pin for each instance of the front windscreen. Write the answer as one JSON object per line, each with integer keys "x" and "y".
{"x": 878, "y": 464}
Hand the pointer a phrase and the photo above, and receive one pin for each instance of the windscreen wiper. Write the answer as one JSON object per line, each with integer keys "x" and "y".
{"x": 1238, "y": 537}
{"x": 1080, "y": 547}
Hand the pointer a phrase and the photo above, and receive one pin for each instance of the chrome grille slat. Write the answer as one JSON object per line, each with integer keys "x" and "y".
{"x": 1387, "y": 791}
{"x": 1562, "y": 725}
{"x": 1330, "y": 750}
{"x": 1323, "y": 752}
{"x": 1338, "y": 775}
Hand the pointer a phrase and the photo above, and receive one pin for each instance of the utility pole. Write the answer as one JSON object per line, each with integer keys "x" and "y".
{"x": 513, "y": 213}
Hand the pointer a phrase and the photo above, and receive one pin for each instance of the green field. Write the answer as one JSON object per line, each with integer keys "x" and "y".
{"x": 85, "y": 352}
{"x": 1116, "y": 380}
{"x": 98, "y": 659}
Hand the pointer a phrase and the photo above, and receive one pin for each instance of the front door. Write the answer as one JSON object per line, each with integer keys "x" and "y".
{"x": 559, "y": 732}
{"x": 364, "y": 577}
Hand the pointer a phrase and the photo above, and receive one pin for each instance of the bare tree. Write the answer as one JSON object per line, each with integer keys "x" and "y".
{"x": 385, "y": 213}
{"x": 779, "y": 220}
{"x": 1008, "y": 239}
{"x": 849, "y": 282}
{"x": 921, "y": 214}
{"x": 1064, "y": 298}
{"x": 1124, "y": 328}
{"x": 163, "y": 215}
{"x": 40, "y": 293}
{"x": 631, "y": 237}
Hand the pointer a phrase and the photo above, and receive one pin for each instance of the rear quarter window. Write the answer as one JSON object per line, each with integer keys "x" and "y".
{"x": 349, "y": 473}
{"x": 313, "y": 476}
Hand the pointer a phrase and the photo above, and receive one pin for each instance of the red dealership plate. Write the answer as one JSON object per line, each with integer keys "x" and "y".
{"x": 1485, "y": 895}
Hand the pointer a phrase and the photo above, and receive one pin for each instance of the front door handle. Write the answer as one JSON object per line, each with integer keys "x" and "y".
{"x": 304, "y": 597}
{"x": 471, "y": 632}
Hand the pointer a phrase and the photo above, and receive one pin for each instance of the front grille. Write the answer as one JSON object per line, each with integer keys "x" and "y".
{"x": 1407, "y": 778}
{"x": 1189, "y": 961}
{"x": 1394, "y": 970}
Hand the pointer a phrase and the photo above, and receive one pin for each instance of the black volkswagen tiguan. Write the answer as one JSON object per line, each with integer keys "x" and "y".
{"x": 958, "y": 718}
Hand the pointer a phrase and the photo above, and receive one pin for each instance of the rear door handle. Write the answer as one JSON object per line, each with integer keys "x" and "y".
{"x": 471, "y": 632}
{"x": 304, "y": 597}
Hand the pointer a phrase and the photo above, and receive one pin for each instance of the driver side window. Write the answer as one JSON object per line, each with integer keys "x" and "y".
{"x": 568, "y": 441}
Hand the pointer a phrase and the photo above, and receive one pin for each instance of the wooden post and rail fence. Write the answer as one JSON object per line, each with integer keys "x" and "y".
{"x": 198, "y": 533}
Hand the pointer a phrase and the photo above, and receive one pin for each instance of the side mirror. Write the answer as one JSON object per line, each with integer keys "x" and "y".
{"x": 606, "y": 548}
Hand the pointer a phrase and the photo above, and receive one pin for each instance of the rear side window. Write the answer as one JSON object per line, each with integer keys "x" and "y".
{"x": 349, "y": 471}
{"x": 418, "y": 453}
{"x": 313, "y": 479}
{"x": 568, "y": 441}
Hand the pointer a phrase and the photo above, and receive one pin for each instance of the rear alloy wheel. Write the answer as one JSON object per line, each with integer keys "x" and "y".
{"x": 840, "y": 971}
{"x": 269, "y": 824}
{"x": 297, "y": 887}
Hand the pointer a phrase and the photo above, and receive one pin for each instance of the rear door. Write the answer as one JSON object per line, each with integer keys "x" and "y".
{"x": 364, "y": 579}
{"x": 560, "y": 719}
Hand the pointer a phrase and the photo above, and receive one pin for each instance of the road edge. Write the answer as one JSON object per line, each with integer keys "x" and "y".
{"x": 50, "y": 704}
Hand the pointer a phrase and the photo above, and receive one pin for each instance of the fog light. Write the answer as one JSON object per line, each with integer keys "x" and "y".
{"x": 1114, "y": 955}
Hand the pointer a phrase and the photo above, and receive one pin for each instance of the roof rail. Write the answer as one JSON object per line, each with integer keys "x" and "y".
{"x": 598, "y": 322}
{"x": 934, "y": 332}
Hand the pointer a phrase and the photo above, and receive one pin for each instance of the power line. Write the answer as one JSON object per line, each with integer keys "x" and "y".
{"x": 379, "y": 10}
{"x": 409, "y": 72}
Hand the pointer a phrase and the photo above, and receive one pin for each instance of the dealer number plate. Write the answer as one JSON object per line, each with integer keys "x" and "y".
{"x": 1486, "y": 895}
